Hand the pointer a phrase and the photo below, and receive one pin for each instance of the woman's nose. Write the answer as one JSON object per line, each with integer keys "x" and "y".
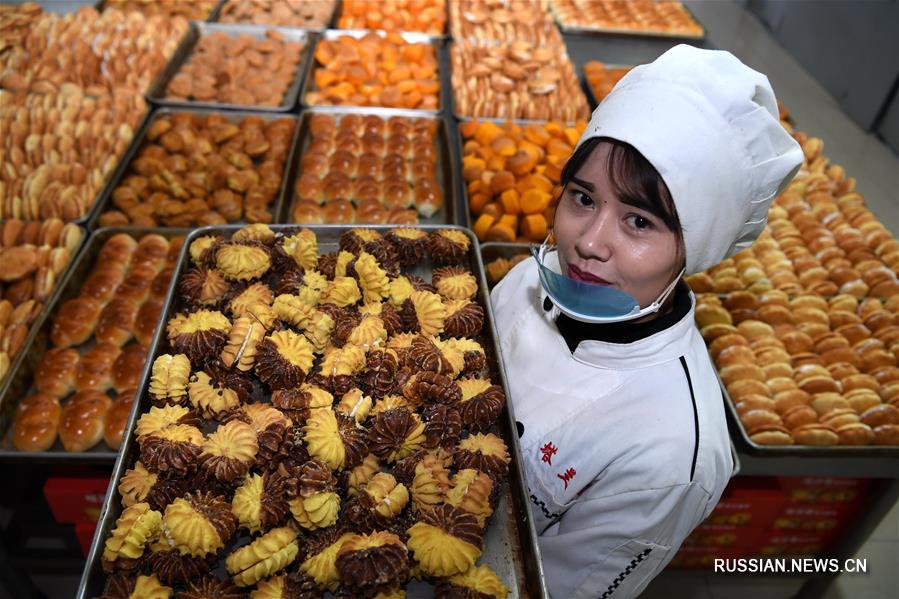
{"x": 595, "y": 240}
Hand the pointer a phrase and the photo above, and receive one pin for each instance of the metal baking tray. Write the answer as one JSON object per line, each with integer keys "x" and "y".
{"x": 212, "y": 16}
{"x": 338, "y": 11}
{"x": 104, "y": 202}
{"x": 445, "y": 173}
{"x": 889, "y": 451}
{"x": 588, "y": 89}
{"x": 412, "y": 38}
{"x": 39, "y": 342}
{"x": 494, "y": 250}
{"x": 578, "y": 29}
{"x": 510, "y": 545}
{"x": 156, "y": 94}
{"x": 332, "y": 21}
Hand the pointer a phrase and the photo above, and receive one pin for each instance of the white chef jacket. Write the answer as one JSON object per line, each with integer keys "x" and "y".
{"x": 625, "y": 444}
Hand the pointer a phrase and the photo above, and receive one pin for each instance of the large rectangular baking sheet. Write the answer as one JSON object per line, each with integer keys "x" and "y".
{"x": 445, "y": 173}
{"x": 104, "y": 202}
{"x": 412, "y": 38}
{"x": 582, "y": 30}
{"x": 588, "y": 89}
{"x": 19, "y": 384}
{"x": 156, "y": 94}
{"x": 212, "y": 16}
{"x": 510, "y": 546}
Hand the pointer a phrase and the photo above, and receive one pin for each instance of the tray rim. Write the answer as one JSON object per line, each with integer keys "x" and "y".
{"x": 621, "y": 32}
{"x": 327, "y": 25}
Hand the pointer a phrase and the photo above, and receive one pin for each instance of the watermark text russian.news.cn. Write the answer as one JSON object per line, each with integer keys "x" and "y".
{"x": 785, "y": 565}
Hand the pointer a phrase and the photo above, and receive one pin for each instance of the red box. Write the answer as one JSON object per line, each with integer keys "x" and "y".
{"x": 75, "y": 498}
{"x": 85, "y": 533}
{"x": 724, "y": 536}
{"x": 825, "y": 490}
{"x": 702, "y": 558}
{"x": 777, "y": 543}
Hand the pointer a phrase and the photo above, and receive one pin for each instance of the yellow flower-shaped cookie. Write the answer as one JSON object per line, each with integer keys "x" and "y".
{"x": 270, "y": 553}
{"x": 169, "y": 378}
{"x": 135, "y": 528}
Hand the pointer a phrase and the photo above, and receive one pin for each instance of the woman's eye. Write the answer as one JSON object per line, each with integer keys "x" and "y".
{"x": 582, "y": 199}
{"x": 638, "y": 222}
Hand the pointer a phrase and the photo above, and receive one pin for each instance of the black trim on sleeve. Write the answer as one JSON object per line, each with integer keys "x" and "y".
{"x": 624, "y": 574}
{"x": 683, "y": 362}
{"x": 542, "y": 506}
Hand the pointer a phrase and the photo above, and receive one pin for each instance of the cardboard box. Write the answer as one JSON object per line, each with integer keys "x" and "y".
{"x": 76, "y": 496}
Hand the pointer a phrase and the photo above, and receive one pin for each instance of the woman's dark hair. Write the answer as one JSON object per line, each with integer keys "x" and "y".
{"x": 634, "y": 180}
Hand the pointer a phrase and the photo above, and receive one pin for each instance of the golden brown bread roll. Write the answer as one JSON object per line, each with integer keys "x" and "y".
{"x": 815, "y": 434}
{"x": 753, "y": 419}
{"x": 82, "y": 420}
{"x": 55, "y": 375}
{"x": 94, "y": 371}
{"x": 103, "y": 281}
{"x": 797, "y": 416}
{"x": 886, "y": 434}
{"x": 735, "y": 354}
{"x": 860, "y": 381}
{"x": 36, "y": 424}
{"x": 880, "y": 414}
{"x": 116, "y": 321}
{"x": 713, "y": 333}
{"x": 837, "y": 418}
{"x": 862, "y": 399}
{"x": 754, "y": 402}
{"x": 885, "y": 374}
{"x": 753, "y": 329}
{"x": 771, "y": 435}
{"x": 877, "y": 358}
{"x": 814, "y": 302}
{"x": 738, "y": 390}
{"x": 136, "y": 285}
{"x": 777, "y": 370}
{"x": 839, "y": 318}
{"x": 830, "y": 341}
{"x": 779, "y": 384}
{"x": 796, "y": 342}
{"x": 709, "y": 314}
{"x": 117, "y": 418}
{"x": 152, "y": 250}
{"x": 857, "y": 433}
{"x": 824, "y": 403}
{"x": 128, "y": 366}
{"x": 771, "y": 355}
{"x": 854, "y": 333}
{"x": 117, "y": 248}
{"x": 741, "y": 300}
{"x": 147, "y": 320}
{"x": 814, "y": 330}
{"x": 74, "y": 322}
{"x": 820, "y": 384}
{"x": 762, "y": 343}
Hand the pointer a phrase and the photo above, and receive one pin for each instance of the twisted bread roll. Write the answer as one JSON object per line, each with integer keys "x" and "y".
{"x": 83, "y": 418}
{"x": 37, "y": 420}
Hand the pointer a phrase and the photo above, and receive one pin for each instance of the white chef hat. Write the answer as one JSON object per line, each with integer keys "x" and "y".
{"x": 709, "y": 125}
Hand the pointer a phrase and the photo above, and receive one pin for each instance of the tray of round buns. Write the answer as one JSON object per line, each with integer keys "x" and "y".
{"x": 71, "y": 397}
{"x": 324, "y": 415}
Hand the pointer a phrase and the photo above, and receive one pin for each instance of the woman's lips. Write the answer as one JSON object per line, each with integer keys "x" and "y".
{"x": 579, "y": 275}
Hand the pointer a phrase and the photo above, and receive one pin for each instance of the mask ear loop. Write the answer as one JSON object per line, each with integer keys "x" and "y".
{"x": 656, "y": 305}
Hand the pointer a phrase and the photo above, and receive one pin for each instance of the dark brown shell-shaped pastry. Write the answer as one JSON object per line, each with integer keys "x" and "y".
{"x": 200, "y": 346}
{"x": 275, "y": 370}
{"x": 119, "y": 586}
{"x": 166, "y": 490}
{"x": 378, "y": 377}
{"x": 298, "y": 585}
{"x": 210, "y": 587}
{"x": 393, "y": 321}
{"x": 277, "y": 487}
{"x": 220, "y": 376}
{"x": 172, "y": 568}
{"x": 475, "y": 362}
{"x": 355, "y": 440}
{"x": 432, "y": 388}
{"x": 493, "y": 466}
{"x": 423, "y": 355}
{"x": 327, "y": 263}
{"x": 217, "y": 510}
{"x": 166, "y": 456}
{"x": 315, "y": 477}
{"x": 454, "y": 521}
{"x": 404, "y": 470}
{"x": 290, "y": 281}
{"x": 359, "y": 515}
{"x": 465, "y": 322}
{"x": 376, "y": 561}
{"x": 443, "y": 426}
{"x": 402, "y": 378}
{"x": 358, "y": 239}
{"x": 408, "y": 317}
{"x": 419, "y": 284}
{"x": 290, "y": 452}
{"x": 389, "y": 430}
{"x": 294, "y": 403}
{"x": 410, "y": 245}
{"x": 346, "y": 322}
{"x": 448, "y": 246}
{"x": 203, "y": 287}
{"x": 481, "y": 411}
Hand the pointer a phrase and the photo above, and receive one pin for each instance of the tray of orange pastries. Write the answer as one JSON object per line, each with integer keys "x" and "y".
{"x": 305, "y": 14}
{"x": 657, "y": 18}
{"x": 359, "y": 165}
{"x": 71, "y": 397}
{"x": 515, "y": 80}
{"x": 424, "y": 16}
{"x": 511, "y": 174}
{"x": 601, "y": 78}
{"x": 235, "y": 67}
{"x": 325, "y": 412}
{"x": 368, "y": 68}
{"x": 501, "y": 20}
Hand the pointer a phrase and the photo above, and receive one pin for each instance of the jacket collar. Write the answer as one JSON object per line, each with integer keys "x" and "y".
{"x": 626, "y": 346}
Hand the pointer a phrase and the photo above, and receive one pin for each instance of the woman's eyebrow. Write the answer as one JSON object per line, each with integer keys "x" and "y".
{"x": 640, "y": 204}
{"x": 585, "y": 184}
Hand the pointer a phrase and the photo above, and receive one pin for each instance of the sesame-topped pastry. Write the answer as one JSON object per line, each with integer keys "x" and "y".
{"x": 287, "y": 586}
{"x": 302, "y": 247}
{"x": 464, "y": 318}
{"x": 355, "y": 404}
{"x": 122, "y": 586}
{"x": 481, "y": 403}
{"x": 199, "y": 523}
{"x": 298, "y": 403}
{"x": 372, "y": 278}
{"x": 410, "y": 245}
{"x": 260, "y": 503}
{"x": 55, "y": 375}
{"x": 428, "y": 388}
{"x": 378, "y": 376}
{"x": 471, "y": 492}
{"x": 242, "y": 261}
{"x": 430, "y": 482}
{"x": 267, "y": 555}
{"x": 425, "y": 356}
{"x": 283, "y": 359}
{"x": 136, "y": 484}
{"x": 173, "y": 568}
{"x": 454, "y": 283}
{"x": 479, "y": 582}
{"x": 210, "y": 587}
{"x": 424, "y": 313}
{"x": 342, "y": 292}
{"x": 229, "y": 452}
{"x": 320, "y": 565}
{"x": 134, "y": 529}
{"x": 203, "y": 287}
{"x": 335, "y": 439}
{"x": 240, "y": 350}
{"x": 174, "y": 449}
{"x": 362, "y": 474}
{"x": 260, "y": 232}
{"x": 368, "y": 563}
{"x": 211, "y": 400}
{"x": 380, "y": 500}
{"x": 443, "y": 426}
{"x": 257, "y": 293}
{"x": 158, "y": 418}
{"x": 485, "y": 452}
{"x": 200, "y": 335}
{"x": 448, "y": 246}
{"x": 395, "y": 434}
{"x": 446, "y": 541}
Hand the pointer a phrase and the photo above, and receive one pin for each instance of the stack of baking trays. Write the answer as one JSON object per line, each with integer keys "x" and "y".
{"x": 322, "y": 410}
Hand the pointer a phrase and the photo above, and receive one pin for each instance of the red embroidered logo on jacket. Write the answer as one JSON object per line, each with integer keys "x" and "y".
{"x": 567, "y": 476}
{"x": 548, "y": 451}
